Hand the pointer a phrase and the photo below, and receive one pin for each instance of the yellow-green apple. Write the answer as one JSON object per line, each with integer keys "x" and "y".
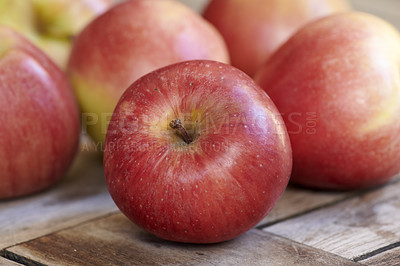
{"x": 128, "y": 41}
{"x": 254, "y": 29}
{"x": 39, "y": 121}
{"x": 51, "y": 24}
{"x": 337, "y": 82}
{"x": 196, "y": 152}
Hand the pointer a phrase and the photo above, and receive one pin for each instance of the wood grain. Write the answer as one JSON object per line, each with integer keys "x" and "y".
{"x": 296, "y": 200}
{"x": 389, "y": 257}
{"x": 352, "y": 227}
{"x": 80, "y": 196}
{"x": 114, "y": 240}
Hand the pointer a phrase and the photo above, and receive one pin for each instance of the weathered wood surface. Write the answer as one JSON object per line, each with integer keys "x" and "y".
{"x": 6, "y": 262}
{"x": 350, "y": 228}
{"x": 80, "y": 196}
{"x": 114, "y": 240}
{"x": 295, "y": 201}
{"x": 384, "y": 257}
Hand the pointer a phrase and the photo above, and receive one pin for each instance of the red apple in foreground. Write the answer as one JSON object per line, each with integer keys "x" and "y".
{"x": 337, "y": 83}
{"x": 128, "y": 41}
{"x": 254, "y": 29}
{"x": 196, "y": 152}
{"x": 39, "y": 121}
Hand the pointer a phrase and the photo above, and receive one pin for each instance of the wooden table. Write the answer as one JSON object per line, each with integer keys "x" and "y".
{"x": 76, "y": 222}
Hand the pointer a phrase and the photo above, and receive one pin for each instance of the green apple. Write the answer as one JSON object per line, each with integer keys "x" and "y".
{"x": 51, "y": 24}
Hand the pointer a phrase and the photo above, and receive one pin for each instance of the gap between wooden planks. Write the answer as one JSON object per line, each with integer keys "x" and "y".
{"x": 82, "y": 196}
{"x": 114, "y": 240}
{"x": 6, "y": 262}
{"x": 357, "y": 228}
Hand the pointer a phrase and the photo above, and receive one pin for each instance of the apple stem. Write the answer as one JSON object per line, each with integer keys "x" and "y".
{"x": 176, "y": 124}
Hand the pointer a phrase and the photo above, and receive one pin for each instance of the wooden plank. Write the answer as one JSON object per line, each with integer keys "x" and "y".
{"x": 6, "y": 262}
{"x": 114, "y": 240}
{"x": 80, "y": 196}
{"x": 296, "y": 200}
{"x": 384, "y": 258}
{"x": 350, "y": 228}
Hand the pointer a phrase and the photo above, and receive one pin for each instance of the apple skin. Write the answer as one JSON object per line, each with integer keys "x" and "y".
{"x": 254, "y": 29}
{"x": 215, "y": 188}
{"x": 39, "y": 124}
{"x": 51, "y": 24}
{"x": 344, "y": 70}
{"x": 128, "y": 41}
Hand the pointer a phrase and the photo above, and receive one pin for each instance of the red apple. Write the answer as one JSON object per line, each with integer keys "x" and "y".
{"x": 337, "y": 82}
{"x": 254, "y": 29}
{"x": 128, "y": 41}
{"x": 39, "y": 121}
{"x": 209, "y": 176}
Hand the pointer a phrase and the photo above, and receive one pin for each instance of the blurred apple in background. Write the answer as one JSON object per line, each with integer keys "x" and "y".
{"x": 51, "y": 24}
{"x": 39, "y": 121}
{"x": 128, "y": 41}
{"x": 337, "y": 83}
{"x": 208, "y": 177}
{"x": 254, "y": 29}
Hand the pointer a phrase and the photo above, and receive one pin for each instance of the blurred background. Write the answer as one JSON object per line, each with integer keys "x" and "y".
{"x": 388, "y": 9}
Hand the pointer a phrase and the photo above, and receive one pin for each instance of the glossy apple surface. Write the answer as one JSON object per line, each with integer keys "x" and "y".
{"x": 128, "y": 41}
{"x": 214, "y": 187}
{"x": 254, "y": 29}
{"x": 51, "y": 24}
{"x": 337, "y": 82}
{"x": 39, "y": 121}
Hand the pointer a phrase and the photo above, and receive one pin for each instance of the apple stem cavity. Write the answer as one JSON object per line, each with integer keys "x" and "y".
{"x": 177, "y": 125}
